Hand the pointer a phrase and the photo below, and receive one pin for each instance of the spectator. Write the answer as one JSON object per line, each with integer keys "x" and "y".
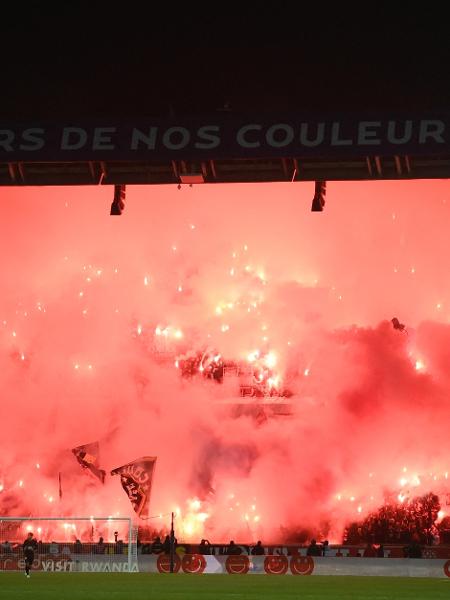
{"x": 233, "y": 549}
{"x": 414, "y": 550}
{"x": 100, "y": 546}
{"x": 204, "y": 547}
{"x": 258, "y": 549}
{"x": 146, "y": 549}
{"x": 157, "y": 546}
{"x": 78, "y": 547}
{"x": 326, "y": 548}
{"x": 314, "y": 549}
{"x": 119, "y": 547}
{"x": 369, "y": 551}
{"x": 380, "y": 551}
{"x": 6, "y": 547}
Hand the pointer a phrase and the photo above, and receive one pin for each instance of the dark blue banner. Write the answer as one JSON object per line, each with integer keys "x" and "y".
{"x": 223, "y": 136}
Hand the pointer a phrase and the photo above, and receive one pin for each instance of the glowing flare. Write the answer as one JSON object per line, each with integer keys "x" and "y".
{"x": 195, "y": 504}
{"x": 253, "y": 356}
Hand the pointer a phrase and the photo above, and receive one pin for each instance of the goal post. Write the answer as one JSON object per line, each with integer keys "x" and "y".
{"x": 73, "y": 544}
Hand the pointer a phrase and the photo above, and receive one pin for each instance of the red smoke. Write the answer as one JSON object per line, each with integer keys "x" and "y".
{"x": 235, "y": 268}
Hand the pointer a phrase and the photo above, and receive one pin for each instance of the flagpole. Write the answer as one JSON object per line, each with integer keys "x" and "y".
{"x": 172, "y": 545}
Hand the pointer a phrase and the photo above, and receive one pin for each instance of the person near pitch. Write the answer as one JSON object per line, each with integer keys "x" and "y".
{"x": 29, "y": 548}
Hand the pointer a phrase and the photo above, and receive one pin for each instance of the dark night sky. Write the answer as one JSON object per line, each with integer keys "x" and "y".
{"x": 68, "y": 63}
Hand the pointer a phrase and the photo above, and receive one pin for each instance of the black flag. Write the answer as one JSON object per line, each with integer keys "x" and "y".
{"x": 89, "y": 458}
{"x": 136, "y": 479}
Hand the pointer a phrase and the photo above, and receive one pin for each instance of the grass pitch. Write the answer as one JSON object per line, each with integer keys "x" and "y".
{"x": 143, "y": 586}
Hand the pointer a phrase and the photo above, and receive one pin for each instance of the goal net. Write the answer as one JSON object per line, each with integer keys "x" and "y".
{"x": 89, "y": 544}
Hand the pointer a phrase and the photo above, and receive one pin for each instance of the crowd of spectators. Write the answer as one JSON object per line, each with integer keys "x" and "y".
{"x": 400, "y": 523}
{"x": 410, "y": 525}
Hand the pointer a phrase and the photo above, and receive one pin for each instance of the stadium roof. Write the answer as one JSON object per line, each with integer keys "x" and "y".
{"x": 70, "y": 66}
{"x": 84, "y": 63}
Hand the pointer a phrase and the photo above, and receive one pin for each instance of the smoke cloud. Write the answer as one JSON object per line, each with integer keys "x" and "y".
{"x": 95, "y": 310}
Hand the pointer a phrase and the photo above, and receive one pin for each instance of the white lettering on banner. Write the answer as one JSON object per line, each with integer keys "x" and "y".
{"x": 102, "y": 141}
{"x": 67, "y": 141}
{"x": 57, "y": 565}
{"x": 107, "y": 567}
{"x": 287, "y": 138}
{"x": 433, "y": 130}
{"x": 138, "y": 473}
{"x": 320, "y": 135}
{"x": 335, "y": 139}
{"x": 149, "y": 140}
{"x": 207, "y": 133}
{"x": 241, "y": 136}
{"x": 6, "y": 139}
{"x": 366, "y": 135}
{"x": 392, "y": 139}
{"x": 180, "y": 132}
{"x": 32, "y": 136}
{"x": 236, "y": 141}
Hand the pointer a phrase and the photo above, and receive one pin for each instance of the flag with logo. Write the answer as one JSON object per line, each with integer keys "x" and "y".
{"x": 136, "y": 479}
{"x": 88, "y": 457}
